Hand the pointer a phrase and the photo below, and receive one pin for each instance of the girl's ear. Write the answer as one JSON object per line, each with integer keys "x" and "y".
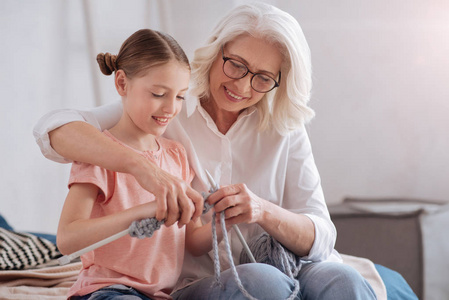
{"x": 121, "y": 82}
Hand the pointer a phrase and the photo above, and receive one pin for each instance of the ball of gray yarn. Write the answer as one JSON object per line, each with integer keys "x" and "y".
{"x": 267, "y": 250}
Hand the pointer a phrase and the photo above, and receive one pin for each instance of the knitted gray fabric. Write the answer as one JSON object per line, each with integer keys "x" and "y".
{"x": 146, "y": 227}
{"x": 267, "y": 250}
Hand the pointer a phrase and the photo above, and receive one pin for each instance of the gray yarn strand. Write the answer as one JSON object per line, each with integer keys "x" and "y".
{"x": 215, "y": 248}
{"x": 231, "y": 260}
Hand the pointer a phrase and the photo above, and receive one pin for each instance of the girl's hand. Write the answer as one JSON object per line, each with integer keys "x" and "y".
{"x": 176, "y": 200}
{"x": 239, "y": 204}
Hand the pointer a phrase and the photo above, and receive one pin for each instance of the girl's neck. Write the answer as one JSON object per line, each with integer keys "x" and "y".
{"x": 129, "y": 134}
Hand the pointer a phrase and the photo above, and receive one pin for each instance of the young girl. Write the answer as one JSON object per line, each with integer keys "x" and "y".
{"x": 151, "y": 75}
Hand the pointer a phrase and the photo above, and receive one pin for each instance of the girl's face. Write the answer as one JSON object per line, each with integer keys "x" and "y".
{"x": 233, "y": 95}
{"x": 153, "y": 100}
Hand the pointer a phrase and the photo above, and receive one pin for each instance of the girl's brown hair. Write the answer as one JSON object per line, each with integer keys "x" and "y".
{"x": 144, "y": 49}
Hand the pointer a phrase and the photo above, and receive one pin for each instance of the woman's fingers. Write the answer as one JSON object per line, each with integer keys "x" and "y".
{"x": 176, "y": 200}
{"x": 229, "y": 196}
{"x": 225, "y": 191}
{"x": 172, "y": 209}
{"x": 239, "y": 204}
{"x": 186, "y": 209}
{"x": 190, "y": 206}
{"x": 197, "y": 200}
{"x": 161, "y": 199}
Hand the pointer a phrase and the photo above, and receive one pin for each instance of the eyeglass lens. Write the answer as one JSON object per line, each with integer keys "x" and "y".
{"x": 236, "y": 70}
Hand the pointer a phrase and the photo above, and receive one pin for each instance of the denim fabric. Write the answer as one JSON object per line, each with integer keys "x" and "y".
{"x": 262, "y": 281}
{"x": 322, "y": 281}
{"x": 115, "y": 292}
{"x": 331, "y": 280}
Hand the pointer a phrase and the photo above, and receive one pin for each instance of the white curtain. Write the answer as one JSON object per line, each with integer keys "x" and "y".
{"x": 381, "y": 73}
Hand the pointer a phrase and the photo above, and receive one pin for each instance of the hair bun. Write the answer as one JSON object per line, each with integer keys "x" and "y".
{"x": 107, "y": 64}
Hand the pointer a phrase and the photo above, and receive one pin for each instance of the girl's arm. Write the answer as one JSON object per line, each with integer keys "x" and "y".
{"x": 199, "y": 237}
{"x": 76, "y": 230}
{"x": 81, "y": 141}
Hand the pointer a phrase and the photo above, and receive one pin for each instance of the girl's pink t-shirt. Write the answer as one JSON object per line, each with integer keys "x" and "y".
{"x": 150, "y": 265}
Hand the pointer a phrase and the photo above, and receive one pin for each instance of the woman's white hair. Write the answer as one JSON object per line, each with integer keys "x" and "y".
{"x": 285, "y": 107}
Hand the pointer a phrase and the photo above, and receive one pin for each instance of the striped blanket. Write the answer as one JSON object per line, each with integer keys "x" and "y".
{"x": 20, "y": 251}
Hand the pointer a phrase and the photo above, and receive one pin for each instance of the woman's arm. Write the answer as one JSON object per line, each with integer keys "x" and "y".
{"x": 80, "y": 141}
{"x": 102, "y": 117}
{"x": 76, "y": 230}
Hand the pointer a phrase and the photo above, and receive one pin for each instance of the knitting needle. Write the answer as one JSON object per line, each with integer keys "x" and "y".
{"x": 235, "y": 227}
{"x": 68, "y": 258}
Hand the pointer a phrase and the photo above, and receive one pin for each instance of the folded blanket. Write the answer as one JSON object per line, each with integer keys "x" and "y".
{"x": 49, "y": 283}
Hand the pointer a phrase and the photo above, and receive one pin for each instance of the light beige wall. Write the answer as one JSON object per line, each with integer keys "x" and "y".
{"x": 381, "y": 92}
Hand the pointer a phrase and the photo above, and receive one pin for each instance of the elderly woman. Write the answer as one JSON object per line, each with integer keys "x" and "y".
{"x": 243, "y": 121}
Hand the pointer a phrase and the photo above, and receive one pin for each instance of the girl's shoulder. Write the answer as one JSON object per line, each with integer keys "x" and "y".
{"x": 170, "y": 145}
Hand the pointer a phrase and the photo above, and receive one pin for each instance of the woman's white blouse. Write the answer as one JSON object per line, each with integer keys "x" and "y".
{"x": 277, "y": 168}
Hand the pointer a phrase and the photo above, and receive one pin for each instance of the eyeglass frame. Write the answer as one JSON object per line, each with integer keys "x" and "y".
{"x": 225, "y": 59}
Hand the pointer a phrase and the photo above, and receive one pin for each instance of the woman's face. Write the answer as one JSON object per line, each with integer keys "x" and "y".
{"x": 233, "y": 95}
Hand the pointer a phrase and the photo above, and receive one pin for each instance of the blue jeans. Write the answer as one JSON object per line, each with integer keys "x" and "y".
{"x": 116, "y": 292}
{"x": 325, "y": 280}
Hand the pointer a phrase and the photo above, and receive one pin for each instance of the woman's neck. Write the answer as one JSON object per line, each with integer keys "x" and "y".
{"x": 222, "y": 119}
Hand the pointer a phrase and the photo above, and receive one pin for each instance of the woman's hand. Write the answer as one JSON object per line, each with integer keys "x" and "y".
{"x": 176, "y": 200}
{"x": 242, "y": 206}
{"x": 239, "y": 204}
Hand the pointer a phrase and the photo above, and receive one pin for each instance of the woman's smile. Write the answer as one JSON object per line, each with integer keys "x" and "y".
{"x": 233, "y": 97}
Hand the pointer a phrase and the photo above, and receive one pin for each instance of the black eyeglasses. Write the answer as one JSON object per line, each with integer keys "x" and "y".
{"x": 260, "y": 82}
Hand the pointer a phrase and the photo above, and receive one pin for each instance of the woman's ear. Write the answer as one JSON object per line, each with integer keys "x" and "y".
{"x": 121, "y": 82}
